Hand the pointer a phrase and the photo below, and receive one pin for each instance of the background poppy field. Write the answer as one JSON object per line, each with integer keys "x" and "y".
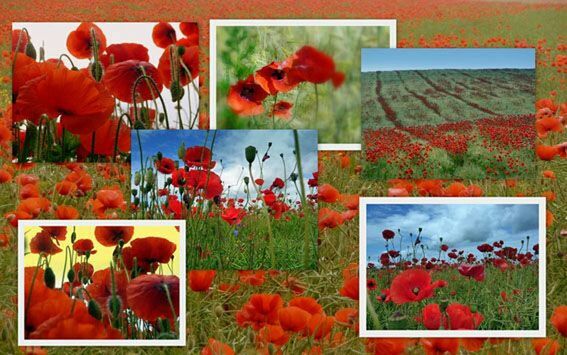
{"x": 334, "y": 111}
{"x": 215, "y": 299}
{"x": 450, "y": 123}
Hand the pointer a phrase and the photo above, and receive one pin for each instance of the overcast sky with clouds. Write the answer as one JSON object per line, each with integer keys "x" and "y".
{"x": 462, "y": 226}
{"x": 229, "y": 147}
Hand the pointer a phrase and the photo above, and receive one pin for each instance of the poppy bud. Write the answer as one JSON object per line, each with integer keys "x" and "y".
{"x": 30, "y": 51}
{"x": 219, "y": 311}
{"x": 281, "y": 155}
{"x": 73, "y": 237}
{"x": 246, "y": 180}
{"x": 161, "y": 117}
{"x": 180, "y": 50}
{"x": 71, "y": 275}
{"x": 134, "y": 192}
{"x": 137, "y": 178}
{"x": 94, "y": 309}
{"x": 159, "y": 155}
{"x": 176, "y": 91}
{"x": 41, "y": 54}
{"x": 250, "y": 153}
{"x": 136, "y": 201}
{"x": 114, "y": 306}
{"x": 85, "y": 280}
{"x": 139, "y": 124}
{"x": 293, "y": 177}
{"x": 149, "y": 175}
{"x": 169, "y": 181}
{"x": 96, "y": 70}
{"x": 266, "y": 157}
{"x": 181, "y": 151}
{"x": 49, "y": 277}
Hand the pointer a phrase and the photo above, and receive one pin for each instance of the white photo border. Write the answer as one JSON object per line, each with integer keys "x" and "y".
{"x": 213, "y": 24}
{"x": 540, "y": 333}
{"x": 24, "y": 224}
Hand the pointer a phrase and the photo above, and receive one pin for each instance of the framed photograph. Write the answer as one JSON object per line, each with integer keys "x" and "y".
{"x": 452, "y": 267}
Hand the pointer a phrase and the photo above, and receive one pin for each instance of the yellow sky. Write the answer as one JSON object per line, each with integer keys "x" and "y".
{"x": 103, "y": 256}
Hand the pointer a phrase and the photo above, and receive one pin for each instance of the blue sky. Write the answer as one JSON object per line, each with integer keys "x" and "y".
{"x": 229, "y": 147}
{"x": 462, "y": 226}
{"x": 387, "y": 59}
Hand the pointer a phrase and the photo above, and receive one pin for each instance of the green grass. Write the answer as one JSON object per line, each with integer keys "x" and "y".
{"x": 520, "y": 312}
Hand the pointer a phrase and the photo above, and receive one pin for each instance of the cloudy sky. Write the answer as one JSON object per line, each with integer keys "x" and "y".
{"x": 229, "y": 148}
{"x": 53, "y": 37}
{"x": 462, "y": 226}
{"x": 386, "y": 59}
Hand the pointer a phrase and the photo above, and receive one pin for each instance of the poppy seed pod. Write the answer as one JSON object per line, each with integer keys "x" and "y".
{"x": 149, "y": 176}
{"x": 96, "y": 70}
{"x": 71, "y": 275}
{"x": 246, "y": 180}
{"x": 49, "y": 277}
{"x": 134, "y": 192}
{"x": 161, "y": 117}
{"x": 137, "y": 178}
{"x": 293, "y": 177}
{"x": 159, "y": 155}
{"x": 181, "y": 151}
{"x": 30, "y": 51}
{"x": 180, "y": 50}
{"x": 176, "y": 91}
{"x": 136, "y": 201}
{"x": 73, "y": 237}
{"x": 94, "y": 309}
{"x": 250, "y": 153}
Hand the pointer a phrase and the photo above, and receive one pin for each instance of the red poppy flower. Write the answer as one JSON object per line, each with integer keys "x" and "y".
{"x": 319, "y": 326}
{"x": 329, "y": 218}
{"x": 327, "y": 193}
{"x": 474, "y": 271}
{"x": 271, "y": 334}
{"x": 387, "y": 346}
{"x": 548, "y": 124}
{"x": 199, "y": 156}
{"x": 101, "y": 288}
{"x": 254, "y": 278}
{"x": 431, "y": 316}
{"x": 310, "y": 64}
{"x": 397, "y": 192}
{"x": 274, "y": 78}
{"x": 105, "y": 138}
{"x": 84, "y": 246}
{"x": 165, "y": 165}
{"x": 80, "y": 42}
{"x": 546, "y": 152}
{"x": 215, "y": 347}
{"x": 559, "y": 319}
{"x": 148, "y": 296}
{"x": 83, "y": 104}
{"x": 163, "y": 34}
{"x": 121, "y": 77}
{"x": 66, "y": 188}
{"x": 350, "y": 288}
{"x": 261, "y": 309}
{"x": 111, "y": 235}
{"x": 388, "y": 234}
{"x": 293, "y": 319}
{"x": 108, "y": 198}
{"x": 282, "y": 109}
{"x": 42, "y": 243}
{"x": 545, "y": 346}
{"x": 190, "y": 60}
{"x": 27, "y": 191}
{"x": 121, "y": 52}
{"x": 460, "y": 316}
{"x": 412, "y": 286}
{"x": 66, "y": 212}
{"x": 190, "y": 30}
{"x": 308, "y": 304}
{"x": 338, "y": 79}
{"x": 245, "y": 97}
{"x": 438, "y": 346}
{"x": 232, "y": 215}
{"x": 201, "y": 280}
{"x": 207, "y": 181}
{"x": 278, "y": 183}
{"x": 150, "y": 251}
{"x": 371, "y": 284}
{"x": 19, "y": 40}
{"x": 55, "y": 232}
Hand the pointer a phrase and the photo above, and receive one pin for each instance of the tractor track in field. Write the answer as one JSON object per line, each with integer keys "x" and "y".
{"x": 482, "y": 80}
{"x": 390, "y": 113}
{"x": 430, "y": 105}
{"x": 440, "y": 89}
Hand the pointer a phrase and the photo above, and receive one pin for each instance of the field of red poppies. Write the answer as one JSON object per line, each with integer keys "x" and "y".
{"x": 247, "y": 209}
{"x": 76, "y": 300}
{"x": 455, "y": 290}
{"x": 471, "y": 124}
{"x": 81, "y": 104}
{"x": 245, "y": 311}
